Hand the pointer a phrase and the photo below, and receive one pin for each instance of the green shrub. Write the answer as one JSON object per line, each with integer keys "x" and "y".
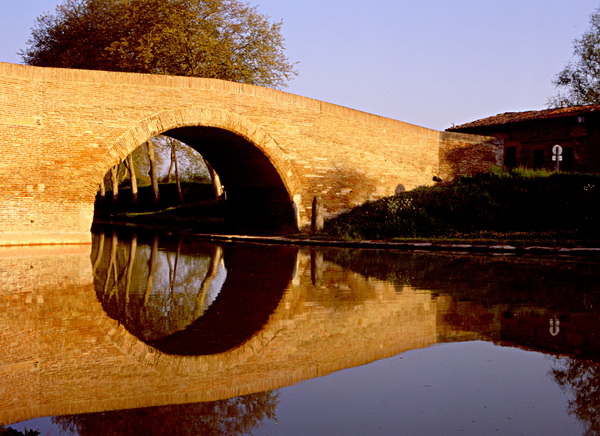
{"x": 518, "y": 200}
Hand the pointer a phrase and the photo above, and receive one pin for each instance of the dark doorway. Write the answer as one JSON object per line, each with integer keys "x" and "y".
{"x": 510, "y": 157}
{"x": 567, "y": 159}
{"x": 538, "y": 159}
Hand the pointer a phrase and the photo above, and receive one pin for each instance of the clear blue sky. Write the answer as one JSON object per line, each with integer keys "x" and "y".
{"x": 427, "y": 62}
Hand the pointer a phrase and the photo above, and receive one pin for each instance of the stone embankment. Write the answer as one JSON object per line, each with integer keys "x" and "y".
{"x": 417, "y": 246}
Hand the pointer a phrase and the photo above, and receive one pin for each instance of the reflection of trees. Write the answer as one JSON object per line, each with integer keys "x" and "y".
{"x": 234, "y": 416}
{"x": 154, "y": 292}
{"x": 9, "y": 431}
{"x": 553, "y": 283}
{"x": 508, "y": 298}
{"x": 581, "y": 380}
{"x": 172, "y": 294}
{"x": 479, "y": 283}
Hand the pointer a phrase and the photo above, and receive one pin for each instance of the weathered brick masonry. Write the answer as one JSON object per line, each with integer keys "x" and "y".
{"x": 61, "y": 130}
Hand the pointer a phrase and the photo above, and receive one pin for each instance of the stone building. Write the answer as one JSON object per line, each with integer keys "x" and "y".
{"x": 530, "y": 136}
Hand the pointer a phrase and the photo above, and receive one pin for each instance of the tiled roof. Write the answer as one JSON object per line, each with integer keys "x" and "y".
{"x": 519, "y": 117}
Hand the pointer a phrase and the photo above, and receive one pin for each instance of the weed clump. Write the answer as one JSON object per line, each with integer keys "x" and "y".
{"x": 514, "y": 201}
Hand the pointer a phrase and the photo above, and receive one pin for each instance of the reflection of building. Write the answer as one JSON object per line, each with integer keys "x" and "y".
{"x": 544, "y": 330}
{"x": 526, "y": 326}
{"x": 529, "y": 137}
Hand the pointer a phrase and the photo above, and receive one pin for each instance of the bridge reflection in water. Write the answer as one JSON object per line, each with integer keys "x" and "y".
{"x": 153, "y": 321}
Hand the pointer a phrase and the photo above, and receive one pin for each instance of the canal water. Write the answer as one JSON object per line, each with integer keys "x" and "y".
{"x": 151, "y": 335}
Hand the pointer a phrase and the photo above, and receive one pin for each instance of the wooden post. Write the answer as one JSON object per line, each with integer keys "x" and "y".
{"x": 317, "y": 221}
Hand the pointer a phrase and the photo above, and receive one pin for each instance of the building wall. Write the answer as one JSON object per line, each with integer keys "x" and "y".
{"x": 465, "y": 154}
{"x": 531, "y": 142}
{"x": 534, "y": 142}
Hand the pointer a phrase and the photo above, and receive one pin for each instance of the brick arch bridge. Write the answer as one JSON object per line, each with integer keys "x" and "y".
{"x": 61, "y": 130}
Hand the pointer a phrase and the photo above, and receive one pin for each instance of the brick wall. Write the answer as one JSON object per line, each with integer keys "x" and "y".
{"x": 463, "y": 154}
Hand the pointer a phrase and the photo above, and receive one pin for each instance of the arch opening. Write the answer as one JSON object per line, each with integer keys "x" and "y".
{"x": 262, "y": 192}
{"x": 158, "y": 181}
{"x": 256, "y": 198}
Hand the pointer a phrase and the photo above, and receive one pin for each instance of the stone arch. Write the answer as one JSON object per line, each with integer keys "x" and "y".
{"x": 175, "y": 122}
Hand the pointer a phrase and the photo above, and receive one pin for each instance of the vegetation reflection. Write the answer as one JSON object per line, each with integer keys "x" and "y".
{"x": 159, "y": 290}
{"x": 234, "y": 416}
{"x": 143, "y": 286}
{"x": 180, "y": 297}
{"x": 580, "y": 380}
{"x": 545, "y": 304}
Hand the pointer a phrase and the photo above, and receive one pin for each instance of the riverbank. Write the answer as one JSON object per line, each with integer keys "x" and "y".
{"x": 522, "y": 205}
{"x": 421, "y": 245}
{"x": 506, "y": 245}
{"x": 517, "y": 211}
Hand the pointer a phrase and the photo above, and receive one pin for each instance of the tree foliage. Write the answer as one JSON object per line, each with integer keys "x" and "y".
{"x": 579, "y": 81}
{"x": 224, "y": 39}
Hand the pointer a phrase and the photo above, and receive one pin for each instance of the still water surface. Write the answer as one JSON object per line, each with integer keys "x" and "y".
{"x": 158, "y": 335}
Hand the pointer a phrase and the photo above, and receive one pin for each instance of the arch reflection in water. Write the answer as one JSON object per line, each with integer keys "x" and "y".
{"x": 180, "y": 296}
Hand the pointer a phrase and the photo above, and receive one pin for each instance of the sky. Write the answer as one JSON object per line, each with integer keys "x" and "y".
{"x": 434, "y": 63}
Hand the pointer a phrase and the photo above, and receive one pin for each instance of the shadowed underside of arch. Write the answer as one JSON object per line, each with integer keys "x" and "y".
{"x": 259, "y": 180}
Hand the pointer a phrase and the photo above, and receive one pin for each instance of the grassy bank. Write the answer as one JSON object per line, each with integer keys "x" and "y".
{"x": 499, "y": 206}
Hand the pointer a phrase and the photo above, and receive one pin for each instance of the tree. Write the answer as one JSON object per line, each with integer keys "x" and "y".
{"x": 172, "y": 144}
{"x": 132, "y": 177}
{"x": 152, "y": 170}
{"x": 580, "y": 79}
{"x": 225, "y": 39}
{"x": 114, "y": 181}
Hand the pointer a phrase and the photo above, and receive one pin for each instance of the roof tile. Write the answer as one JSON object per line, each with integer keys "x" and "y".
{"x": 519, "y": 117}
